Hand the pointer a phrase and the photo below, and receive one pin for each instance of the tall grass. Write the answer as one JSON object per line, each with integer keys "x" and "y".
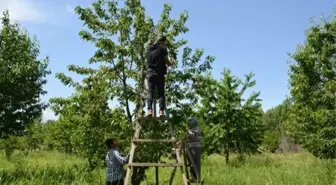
{"x": 47, "y": 168}
{"x": 269, "y": 169}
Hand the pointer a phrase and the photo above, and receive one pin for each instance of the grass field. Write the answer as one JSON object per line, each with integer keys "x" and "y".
{"x": 52, "y": 168}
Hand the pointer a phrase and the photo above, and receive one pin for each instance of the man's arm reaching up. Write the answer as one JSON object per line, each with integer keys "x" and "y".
{"x": 122, "y": 160}
{"x": 194, "y": 132}
{"x": 168, "y": 61}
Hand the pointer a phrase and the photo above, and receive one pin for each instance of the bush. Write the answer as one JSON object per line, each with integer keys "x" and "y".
{"x": 14, "y": 143}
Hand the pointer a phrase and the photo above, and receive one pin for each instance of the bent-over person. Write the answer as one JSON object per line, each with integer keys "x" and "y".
{"x": 194, "y": 144}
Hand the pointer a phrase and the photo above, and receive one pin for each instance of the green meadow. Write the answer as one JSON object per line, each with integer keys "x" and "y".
{"x": 266, "y": 169}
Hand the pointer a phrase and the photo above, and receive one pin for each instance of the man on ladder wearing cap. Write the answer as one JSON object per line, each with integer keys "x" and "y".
{"x": 157, "y": 59}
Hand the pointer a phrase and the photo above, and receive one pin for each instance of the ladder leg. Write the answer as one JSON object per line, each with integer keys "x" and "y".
{"x": 128, "y": 173}
{"x": 192, "y": 162}
{"x": 157, "y": 175}
{"x": 172, "y": 175}
{"x": 172, "y": 135}
{"x": 136, "y": 136}
{"x": 185, "y": 161}
{"x": 185, "y": 181}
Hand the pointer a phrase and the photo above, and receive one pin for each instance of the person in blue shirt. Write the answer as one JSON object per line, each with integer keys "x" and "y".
{"x": 115, "y": 162}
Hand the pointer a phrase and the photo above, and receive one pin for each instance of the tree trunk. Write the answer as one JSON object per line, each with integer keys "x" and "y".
{"x": 227, "y": 146}
{"x": 129, "y": 115}
{"x": 240, "y": 151}
{"x": 227, "y": 153}
{"x": 138, "y": 175}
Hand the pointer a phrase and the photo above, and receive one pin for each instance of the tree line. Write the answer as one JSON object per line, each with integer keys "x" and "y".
{"x": 232, "y": 121}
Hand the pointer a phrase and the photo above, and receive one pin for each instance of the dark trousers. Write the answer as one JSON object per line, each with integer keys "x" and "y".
{"x": 156, "y": 81}
{"x": 120, "y": 182}
{"x": 196, "y": 155}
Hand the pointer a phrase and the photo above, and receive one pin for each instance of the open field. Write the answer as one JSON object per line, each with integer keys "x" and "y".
{"x": 269, "y": 169}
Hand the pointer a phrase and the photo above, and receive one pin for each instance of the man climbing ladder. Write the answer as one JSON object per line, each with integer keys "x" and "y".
{"x": 157, "y": 59}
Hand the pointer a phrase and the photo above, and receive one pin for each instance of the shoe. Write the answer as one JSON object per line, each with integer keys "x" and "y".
{"x": 161, "y": 114}
{"x": 150, "y": 113}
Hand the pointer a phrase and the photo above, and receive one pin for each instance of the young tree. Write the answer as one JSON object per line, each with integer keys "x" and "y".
{"x": 51, "y": 134}
{"x": 34, "y": 135}
{"x": 60, "y": 135}
{"x": 122, "y": 35}
{"x": 274, "y": 121}
{"x": 22, "y": 76}
{"x": 12, "y": 143}
{"x": 313, "y": 90}
{"x": 234, "y": 122}
{"x": 87, "y": 118}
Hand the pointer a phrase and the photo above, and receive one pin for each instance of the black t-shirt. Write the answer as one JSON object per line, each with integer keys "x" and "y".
{"x": 156, "y": 59}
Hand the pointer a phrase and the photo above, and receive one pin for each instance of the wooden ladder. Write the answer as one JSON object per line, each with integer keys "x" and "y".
{"x": 136, "y": 140}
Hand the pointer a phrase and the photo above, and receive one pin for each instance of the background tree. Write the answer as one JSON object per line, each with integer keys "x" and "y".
{"x": 34, "y": 136}
{"x": 51, "y": 133}
{"x": 313, "y": 88}
{"x": 234, "y": 122}
{"x": 22, "y": 76}
{"x": 12, "y": 143}
{"x": 86, "y": 118}
{"x": 274, "y": 121}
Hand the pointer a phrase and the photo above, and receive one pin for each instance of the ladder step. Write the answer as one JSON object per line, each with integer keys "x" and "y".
{"x": 156, "y": 164}
{"x": 154, "y": 140}
{"x": 153, "y": 118}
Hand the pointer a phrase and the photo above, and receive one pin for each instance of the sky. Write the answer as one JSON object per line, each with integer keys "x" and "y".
{"x": 244, "y": 36}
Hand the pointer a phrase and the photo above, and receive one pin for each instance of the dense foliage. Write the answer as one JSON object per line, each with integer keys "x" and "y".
{"x": 121, "y": 35}
{"x": 22, "y": 76}
{"x": 313, "y": 90}
{"x": 275, "y": 120}
{"x": 234, "y": 122}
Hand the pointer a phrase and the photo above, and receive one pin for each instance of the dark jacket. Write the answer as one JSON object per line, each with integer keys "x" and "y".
{"x": 156, "y": 62}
